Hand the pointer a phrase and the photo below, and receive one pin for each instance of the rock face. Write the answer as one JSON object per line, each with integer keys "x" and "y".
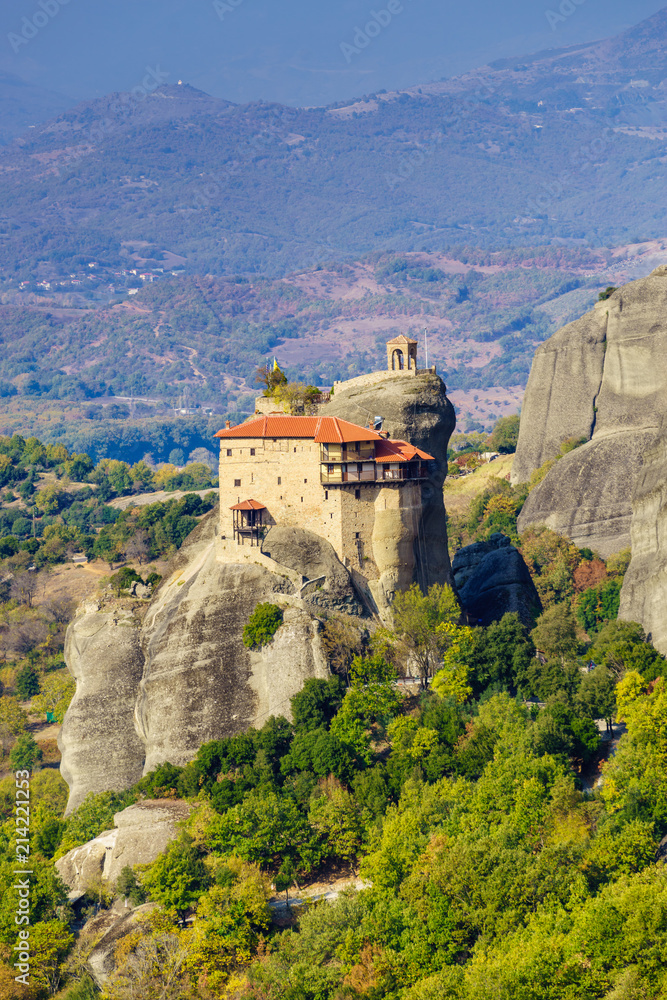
{"x": 110, "y": 927}
{"x": 416, "y": 410}
{"x": 492, "y": 579}
{"x": 142, "y": 832}
{"x": 156, "y": 680}
{"x": 155, "y": 691}
{"x": 644, "y": 593}
{"x": 603, "y": 378}
{"x": 98, "y": 737}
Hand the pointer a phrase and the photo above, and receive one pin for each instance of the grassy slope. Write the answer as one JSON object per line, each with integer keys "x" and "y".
{"x": 461, "y": 490}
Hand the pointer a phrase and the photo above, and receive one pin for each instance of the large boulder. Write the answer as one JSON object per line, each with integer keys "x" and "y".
{"x": 154, "y": 690}
{"x": 414, "y": 409}
{"x": 141, "y": 833}
{"x": 644, "y": 593}
{"x": 603, "y": 379}
{"x": 493, "y": 580}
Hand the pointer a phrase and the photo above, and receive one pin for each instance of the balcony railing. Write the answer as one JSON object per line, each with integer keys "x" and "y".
{"x": 362, "y": 451}
{"x": 334, "y": 474}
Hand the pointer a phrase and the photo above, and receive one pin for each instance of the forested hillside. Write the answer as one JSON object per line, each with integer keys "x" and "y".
{"x": 504, "y": 815}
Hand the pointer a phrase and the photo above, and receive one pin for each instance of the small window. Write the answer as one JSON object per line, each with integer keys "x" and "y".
{"x": 301, "y": 499}
{"x": 237, "y": 482}
{"x": 280, "y": 481}
{"x": 357, "y": 494}
{"x": 357, "y": 534}
{"x": 331, "y": 516}
{"x": 326, "y": 494}
{"x": 229, "y": 453}
{"x": 295, "y": 451}
{"x": 305, "y": 480}
{"x": 252, "y": 451}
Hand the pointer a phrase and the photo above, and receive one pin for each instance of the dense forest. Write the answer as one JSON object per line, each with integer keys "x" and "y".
{"x": 498, "y": 826}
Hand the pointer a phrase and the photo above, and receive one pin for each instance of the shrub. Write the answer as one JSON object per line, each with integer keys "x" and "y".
{"x": 27, "y": 682}
{"x": 607, "y": 294}
{"x": 124, "y": 578}
{"x": 571, "y": 443}
{"x": 262, "y": 625}
{"x": 25, "y": 753}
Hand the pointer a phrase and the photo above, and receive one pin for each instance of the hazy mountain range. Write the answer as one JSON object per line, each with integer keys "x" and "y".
{"x": 565, "y": 148}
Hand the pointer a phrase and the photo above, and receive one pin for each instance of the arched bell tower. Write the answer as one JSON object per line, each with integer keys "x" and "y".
{"x": 402, "y": 354}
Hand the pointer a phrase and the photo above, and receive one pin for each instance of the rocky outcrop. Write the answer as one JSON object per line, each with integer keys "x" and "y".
{"x": 327, "y": 583}
{"x": 492, "y": 580}
{"x": 156, "y": 680}
{"x": 98, "y": 738}
{"x": 602, "y": 378}
{"x": 644, "y": 593}
{"x": 141, "y": 833}
{"x": 414, "y": 409}
{"x": 154, "y": 691}
{"x": 586, "y": 496}
{"x": 110, "y": 927}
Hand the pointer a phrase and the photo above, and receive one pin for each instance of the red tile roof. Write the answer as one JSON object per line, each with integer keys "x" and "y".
{"x": 248, "y": 505}
{"x": 322, "y": 430}
{"x": 399, "y": 451}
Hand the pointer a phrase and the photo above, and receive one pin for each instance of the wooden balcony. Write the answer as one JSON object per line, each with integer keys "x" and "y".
{"x": 332, "y": 474}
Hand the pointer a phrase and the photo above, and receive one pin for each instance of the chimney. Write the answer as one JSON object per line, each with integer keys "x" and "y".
{"x": 228, "y": 424}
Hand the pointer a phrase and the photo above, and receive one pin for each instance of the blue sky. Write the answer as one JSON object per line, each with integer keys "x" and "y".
{"x": 286, "y": 50}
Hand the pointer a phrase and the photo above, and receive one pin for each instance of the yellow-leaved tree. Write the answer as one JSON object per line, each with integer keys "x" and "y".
{"x": 452, "y": 680}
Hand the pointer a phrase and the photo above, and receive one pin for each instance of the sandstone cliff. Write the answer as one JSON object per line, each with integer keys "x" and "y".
{"x": 414, "y": 409}
{"x": 603, "y": 378}
{"x": 154, "y": 691}
{"x": 155, "y": 682}
{"x": 644, "y": 593}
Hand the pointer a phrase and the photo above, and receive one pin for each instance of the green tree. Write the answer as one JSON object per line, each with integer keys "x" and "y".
{"x": 622, "y": 646}
{"x": 12, "y": 716}
{"x": 27, "y": 682}
{"x": 317, "y": 703}
{"x": 555, "y": 633}
{"x": 371, "y": 702}
{"x": 50, "y": 943}
{"x": 107, "y": 546}
{"x": 178, "y": 877}
{"x": 262, "y": 625}
{"x": 597, "y": 695}
{"x": 57, "y": 691}
{"x": 505, "y": 435}
{"x": 25, "y": 754}
{"x": 598, "y": 605}
{"x": 416, "y": 619}
{"x": 128, "y": 887}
